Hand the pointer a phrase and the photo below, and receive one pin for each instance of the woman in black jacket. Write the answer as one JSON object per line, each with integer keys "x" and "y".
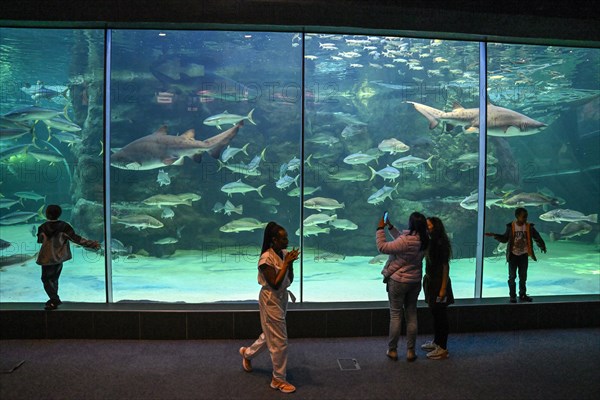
{"x": 437, "y": 287}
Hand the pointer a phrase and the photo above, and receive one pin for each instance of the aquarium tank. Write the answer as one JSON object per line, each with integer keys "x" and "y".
{"x": 174, "y": 149}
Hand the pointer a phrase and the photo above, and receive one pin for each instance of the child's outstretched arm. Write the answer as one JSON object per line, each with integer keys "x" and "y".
{"x": 75, "y": 238}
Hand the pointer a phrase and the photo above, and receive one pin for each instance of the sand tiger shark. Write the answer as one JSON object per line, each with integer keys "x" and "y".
{"x": 500, "y": 121}
{"x": 159, "y": 149}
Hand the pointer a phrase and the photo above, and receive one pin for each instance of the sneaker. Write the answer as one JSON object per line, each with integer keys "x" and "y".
{"x": 438, "y": 354}
{"x": 50, "y": 306}
{"x": 513, "y": 299}
{"x": 246, "y": 364}
{"x": 393, "y": 354}
{"x": 283, "y": 386}
{"x": 410, "y": 355}
{"x": 429, "y": 346}
{"x": 525, "y": 298}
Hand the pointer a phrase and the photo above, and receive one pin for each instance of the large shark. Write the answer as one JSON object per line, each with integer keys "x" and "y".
{"x": 500, "y": 121}
{"x": 159, "y": 149}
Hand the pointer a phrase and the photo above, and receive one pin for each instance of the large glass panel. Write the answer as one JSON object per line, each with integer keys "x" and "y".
{"x": 51, "y": 85}
{"x": 191, "y": 191}
{"x": 371, "y": 149}
{"x": 544, "y": 152}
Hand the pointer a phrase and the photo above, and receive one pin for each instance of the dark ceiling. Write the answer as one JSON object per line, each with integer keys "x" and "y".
{"x": 574, "y": 22}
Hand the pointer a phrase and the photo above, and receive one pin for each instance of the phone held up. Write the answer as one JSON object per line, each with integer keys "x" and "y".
{"x": 385, "y": 217}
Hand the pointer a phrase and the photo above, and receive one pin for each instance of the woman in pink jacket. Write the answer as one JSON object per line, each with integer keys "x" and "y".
{"x": 402, "y": 275}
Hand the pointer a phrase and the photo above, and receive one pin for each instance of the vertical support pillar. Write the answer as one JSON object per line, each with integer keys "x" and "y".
{"x": 107, "y": 213}
{"x": 303, "y": 88}
{"x": 482, "y": 167}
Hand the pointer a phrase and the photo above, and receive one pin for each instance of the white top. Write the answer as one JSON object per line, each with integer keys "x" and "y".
{"x": 271, "y": 258}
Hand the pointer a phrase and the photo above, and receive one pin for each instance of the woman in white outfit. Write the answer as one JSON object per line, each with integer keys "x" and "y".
{"x": 275, "y": 275}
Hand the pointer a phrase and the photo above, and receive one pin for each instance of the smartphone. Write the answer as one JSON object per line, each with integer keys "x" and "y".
{"x": 385, "y": 217}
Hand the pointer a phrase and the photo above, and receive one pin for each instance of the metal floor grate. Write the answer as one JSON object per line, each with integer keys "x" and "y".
{"x": 348, "y": 364}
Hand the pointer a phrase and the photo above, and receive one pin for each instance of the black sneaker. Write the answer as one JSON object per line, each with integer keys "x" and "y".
{"x": 525, "y": 298}
{"x": 51, "y": 306}
{"x": 513, "y": 299}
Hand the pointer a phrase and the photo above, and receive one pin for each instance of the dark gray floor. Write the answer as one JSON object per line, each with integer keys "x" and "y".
{"x": 536, "y": 364}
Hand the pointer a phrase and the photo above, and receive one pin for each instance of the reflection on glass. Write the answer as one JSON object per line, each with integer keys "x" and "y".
{"x": 51, "y": 145}
{"x": 552, "y": 170}
{"x": 205, "y": 137}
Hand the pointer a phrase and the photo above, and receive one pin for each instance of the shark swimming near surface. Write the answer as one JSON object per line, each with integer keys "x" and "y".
{"x": 159, "y": 149}
{"x": 501, "y": 121}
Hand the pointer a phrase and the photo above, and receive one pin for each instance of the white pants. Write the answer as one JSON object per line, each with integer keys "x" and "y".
{"x": 273, "y": 307}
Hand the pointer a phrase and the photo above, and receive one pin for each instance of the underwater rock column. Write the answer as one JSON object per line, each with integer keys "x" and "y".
{"x": 87, "y": 96}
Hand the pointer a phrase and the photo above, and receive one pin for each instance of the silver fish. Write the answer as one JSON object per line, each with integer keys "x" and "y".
{"x": 565, "y": 215}
{"x": 350, "y": 176}
{"x": 167, "y": 212}
{"x": 242, "y": 224}
{"x": 386, "y": 173}
{"x": 380, "y": 195}
{"x": 228, "y": 208}
{"x": 286, "y": 181}
{"x": 163, "y": 178}
{"x": 393, "y": 146}
{"x": 41, "y": 91}
{"x": 19, "y": 217}
{"x": 316, "y": 219}
{"x": 31, "y": 113}
{"x": 571, "y": 230}
{"x": 166, "y": 240}
{"x": 139, "y": 221}
{"x": 230, "y": 152}
{"x": 323, "y": 203}
{"x": 62, "y": 124}
{"x": 359, "y": 158}
{"x": 167, "y": 199}
{"x": 312, "y": 230}
{"x": 343, "y": 224}
{"x": 240, "y": 187}
{"x": 411, "y": 162}
{"x": 226, "y": 118}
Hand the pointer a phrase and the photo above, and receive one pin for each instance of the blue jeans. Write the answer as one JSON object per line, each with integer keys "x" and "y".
{"x": 403, "y": 297}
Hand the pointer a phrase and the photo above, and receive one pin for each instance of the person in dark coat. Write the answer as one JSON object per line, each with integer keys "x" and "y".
{"x": 519, "y": 235}
{"x": 54, "y": 235}
{"x": 437, "y": 287}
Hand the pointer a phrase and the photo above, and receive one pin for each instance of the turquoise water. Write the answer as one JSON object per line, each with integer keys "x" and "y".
{"x": 197, "y": 277}
{"x": 336, "y": 115}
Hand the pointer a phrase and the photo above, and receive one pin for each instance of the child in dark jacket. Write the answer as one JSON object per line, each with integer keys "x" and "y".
{"x": 54, "y": 235}
{"x": 519, "y": 235}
